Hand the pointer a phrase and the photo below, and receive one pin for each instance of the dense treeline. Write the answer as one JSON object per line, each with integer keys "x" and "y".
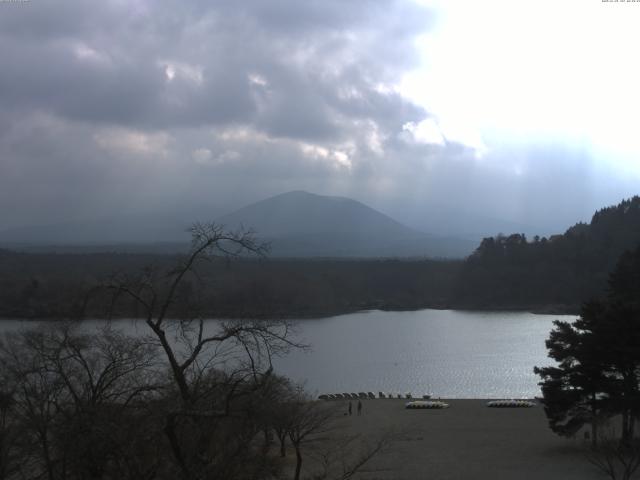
{"x": 557, "y": 273}
{"x": 64, "y": 285}
{"x": 505, "y": 272}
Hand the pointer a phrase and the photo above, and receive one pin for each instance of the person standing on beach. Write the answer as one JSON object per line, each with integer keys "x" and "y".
{"x": 359, "y": 408}
{"x": 350, "y": 406}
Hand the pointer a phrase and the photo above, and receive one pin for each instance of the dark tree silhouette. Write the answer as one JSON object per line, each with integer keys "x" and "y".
{"x": 307, "y": 419}
{"x": 573, "y": 390}
{"x": 210, "y": 397}
{"x": 617, "y": 460}
{"x": 598, "y": 357}
{"x": 74, "y": 405}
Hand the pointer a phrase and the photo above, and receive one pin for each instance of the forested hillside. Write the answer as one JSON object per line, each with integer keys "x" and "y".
{"x": 555, "y": 273}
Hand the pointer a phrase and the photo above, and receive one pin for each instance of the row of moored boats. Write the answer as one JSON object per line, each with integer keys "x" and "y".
{"x": 418, "y": 404}
{"x": 425, "y": 403}
{"x": 367, "y": 395}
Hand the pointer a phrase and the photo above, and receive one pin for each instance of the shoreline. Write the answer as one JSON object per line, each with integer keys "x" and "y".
{"x": 536, "y": 399}
{"x": 536, "y": 310}
{"x": 468, "y": 440}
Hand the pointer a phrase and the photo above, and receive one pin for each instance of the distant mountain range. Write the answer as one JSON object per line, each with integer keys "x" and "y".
{"x": 297, "y": 224}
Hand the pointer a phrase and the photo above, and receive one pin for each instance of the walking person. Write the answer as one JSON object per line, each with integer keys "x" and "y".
{"x": 350, "y": 407}
{"x": 359, "y": 408}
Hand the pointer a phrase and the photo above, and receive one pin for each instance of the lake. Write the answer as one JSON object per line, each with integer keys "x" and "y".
{"x": 446, "y": 353}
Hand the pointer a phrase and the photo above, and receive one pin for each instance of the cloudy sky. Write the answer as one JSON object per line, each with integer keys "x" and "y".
{"x": 525, "y": 111}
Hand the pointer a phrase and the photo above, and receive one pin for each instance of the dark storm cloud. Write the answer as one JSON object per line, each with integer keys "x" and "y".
{"x": 108, "y": 103}
{"x": 111, "y": 62}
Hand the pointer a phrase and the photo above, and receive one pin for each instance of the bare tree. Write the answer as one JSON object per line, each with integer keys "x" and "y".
{"x": 314, "y": 430}
{"x": 195, "y": 349}
{"x": 617, "y": 459}
{"x": 308, "y": 421}
{"x": 214, "y": 366}
{"x": 9, "y": 456}
{"x": 71, "y": 393}
{"x": 347, "y": 456}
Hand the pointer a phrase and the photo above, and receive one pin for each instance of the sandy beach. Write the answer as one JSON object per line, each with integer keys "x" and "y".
{"x": 467, "y": 441}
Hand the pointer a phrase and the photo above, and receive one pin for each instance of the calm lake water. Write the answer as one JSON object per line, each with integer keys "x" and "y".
{"x": 446, "y": 353}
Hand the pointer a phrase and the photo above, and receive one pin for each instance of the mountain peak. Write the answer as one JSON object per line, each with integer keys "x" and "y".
{"x": 299, "y": 212}
{"x": 298, "y": 193}
{"x": 304, "y": 195}
{"x": 299, "y": 223}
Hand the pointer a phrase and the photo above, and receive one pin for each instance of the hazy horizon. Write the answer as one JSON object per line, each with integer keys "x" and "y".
{"x": 295, "y": 216}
